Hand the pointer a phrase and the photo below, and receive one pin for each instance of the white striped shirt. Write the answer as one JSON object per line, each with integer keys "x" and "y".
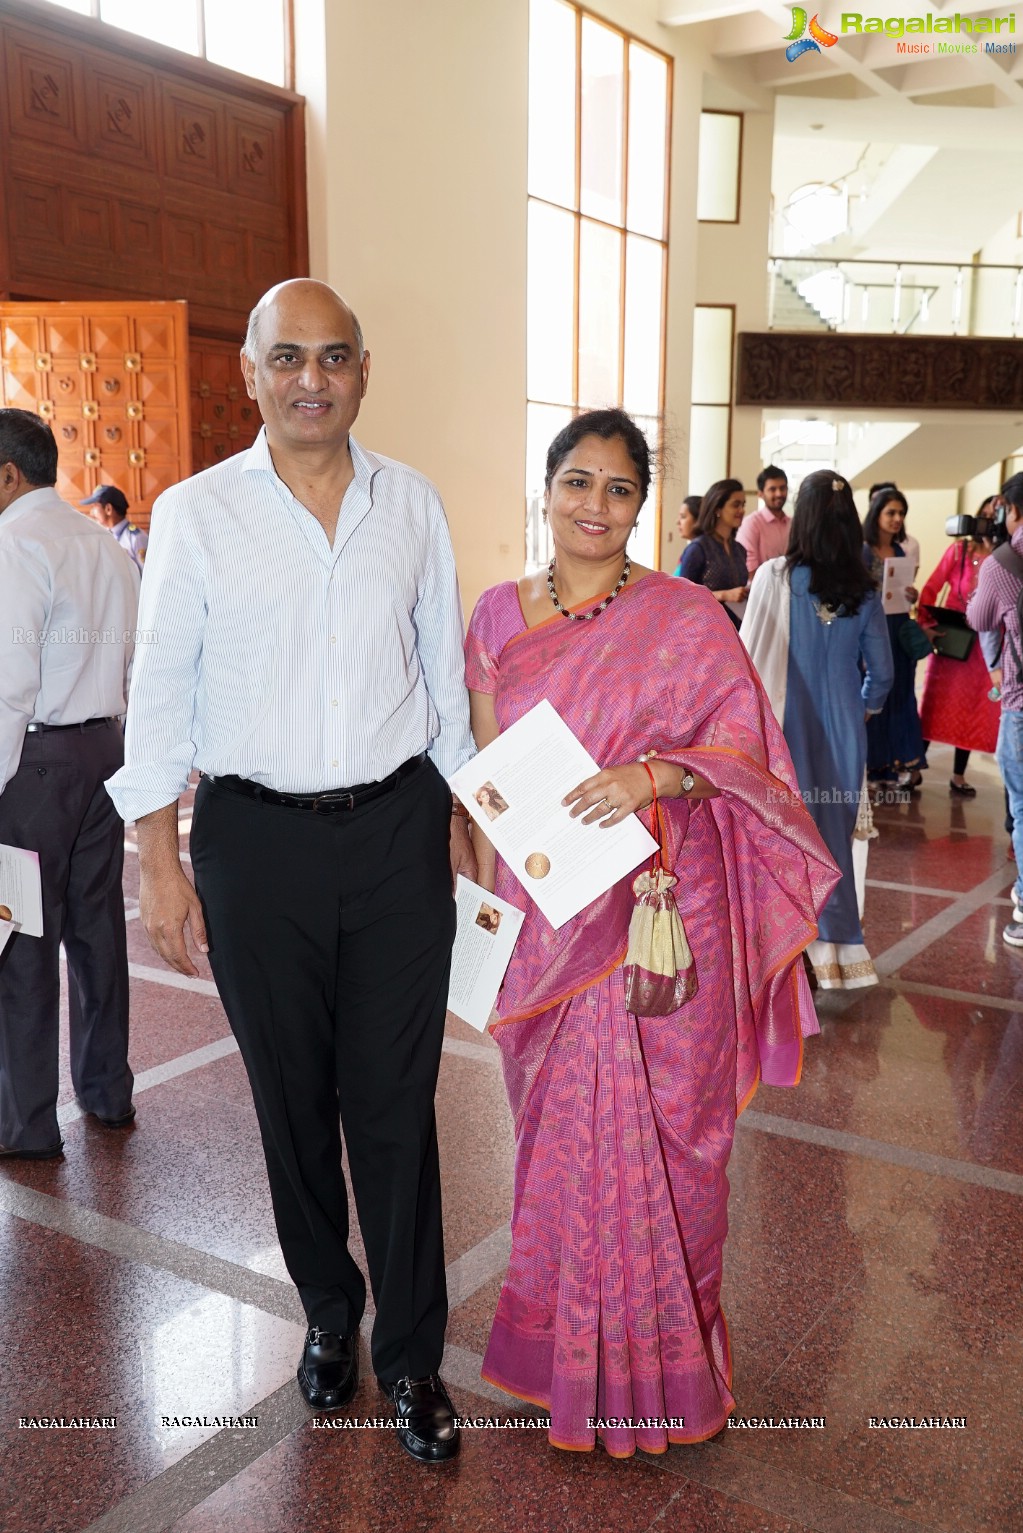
{"x": 267, "y": 654}
{"x": 68, "y": 608}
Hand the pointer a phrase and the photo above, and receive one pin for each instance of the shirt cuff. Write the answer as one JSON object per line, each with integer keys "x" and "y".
{"x": 138, "y": 791}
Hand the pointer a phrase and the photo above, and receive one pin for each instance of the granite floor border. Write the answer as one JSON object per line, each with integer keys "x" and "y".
{"x": 880, "y": 1149}
{"x": 943, "y": 922}
{"x": 964, "y": 997}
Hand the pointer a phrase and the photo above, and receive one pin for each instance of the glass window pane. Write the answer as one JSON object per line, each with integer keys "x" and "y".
{"x": 176, "y": 25}
{"x": 543, "y": 422}
{"x": 643, "y": 543}
{"x": 717, "y": 184}
{"x": 712, "y": 356}
{"x": 552, "y": 101}
{"x": 600, "y": 275}
{"x": 603, "y": 66}
{"x": 644, "y": 272}
{"x": 247, "y": 35}
{"x": 708, "y": 446}
{"x": 550, "y": 288}
{"x": 648, "y": 114}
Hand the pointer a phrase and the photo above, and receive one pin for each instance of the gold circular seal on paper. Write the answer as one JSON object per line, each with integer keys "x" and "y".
{"x": 538, "y": 865}
{"x": 6, "y": 914}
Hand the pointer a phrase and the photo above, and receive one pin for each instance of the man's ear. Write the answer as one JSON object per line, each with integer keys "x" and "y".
{"x": 249, "y": 374}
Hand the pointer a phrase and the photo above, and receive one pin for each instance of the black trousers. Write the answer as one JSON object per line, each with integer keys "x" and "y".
{"x": 56, "y": 804}
{"x": 330, "y": 942}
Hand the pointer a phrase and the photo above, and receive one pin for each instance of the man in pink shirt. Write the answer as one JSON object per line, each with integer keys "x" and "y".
{"x": 765, "y": 534}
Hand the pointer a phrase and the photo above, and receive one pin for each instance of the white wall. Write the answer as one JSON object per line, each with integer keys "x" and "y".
{"x": 732, "y": 268}
{"x": 417, "y": 204}
{"x": 417, "y": 196}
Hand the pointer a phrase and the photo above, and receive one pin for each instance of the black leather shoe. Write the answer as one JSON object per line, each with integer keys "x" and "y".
{"x": 428, "y": 1429}
{"x": 328, "y": 1374}
{"x": 120, "y": 1122}
{"x": 6, "y": 1153}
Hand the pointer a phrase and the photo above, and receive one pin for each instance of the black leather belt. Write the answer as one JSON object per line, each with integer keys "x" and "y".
{"x": 336, "y": 801}
{"x": 44, "y": 729}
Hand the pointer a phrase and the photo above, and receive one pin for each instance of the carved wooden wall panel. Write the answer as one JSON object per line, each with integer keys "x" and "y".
{"x": 112, "y": 380}
{"x": 224, "y": 418}
{"x": 130, "y": 169}
{"x": 880, "y": 371}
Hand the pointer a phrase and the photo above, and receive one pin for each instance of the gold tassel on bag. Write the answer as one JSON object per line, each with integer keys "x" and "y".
{"x": 660, "y": 972}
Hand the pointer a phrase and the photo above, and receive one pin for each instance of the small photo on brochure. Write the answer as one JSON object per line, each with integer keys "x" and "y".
{"x": 490, "y": 801}
{"x": 488, "y": 918}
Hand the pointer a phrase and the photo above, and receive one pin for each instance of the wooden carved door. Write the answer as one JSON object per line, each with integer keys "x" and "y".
{"x": 224, "y": 419}
{"x": 112, "y": 380}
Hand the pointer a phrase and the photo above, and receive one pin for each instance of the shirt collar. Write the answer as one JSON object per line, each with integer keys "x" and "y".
{"x": 34, "y": 500}
{"x": 258, "y": 459}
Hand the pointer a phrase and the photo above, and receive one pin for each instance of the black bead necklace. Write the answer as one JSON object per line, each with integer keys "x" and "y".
{"x": 576, "y": 617}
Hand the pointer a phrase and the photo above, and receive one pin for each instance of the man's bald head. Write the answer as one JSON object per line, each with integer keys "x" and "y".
{"x": 292, "y": 289}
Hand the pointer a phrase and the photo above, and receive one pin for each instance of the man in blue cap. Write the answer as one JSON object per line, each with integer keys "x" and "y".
{"x": 111, "y": 511}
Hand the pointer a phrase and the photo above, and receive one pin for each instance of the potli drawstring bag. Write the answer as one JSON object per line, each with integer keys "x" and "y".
{"x": 660, "y": 974}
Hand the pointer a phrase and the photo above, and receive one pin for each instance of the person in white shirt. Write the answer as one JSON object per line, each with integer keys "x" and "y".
{"x": 309, "y": 663}
{"x": 110, "y": 508}
{"x": 68, "y": 600}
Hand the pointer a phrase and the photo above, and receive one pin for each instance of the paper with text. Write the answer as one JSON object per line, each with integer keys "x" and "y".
{"x": 21, "y": 891}
{"x": 484, "y": 939}
{"x": 513, "y": 789}
{"x": 898, "y": 574}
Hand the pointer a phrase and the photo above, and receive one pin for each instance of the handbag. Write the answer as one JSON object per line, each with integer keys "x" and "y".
{"x": 914, "y": 640}
{"x": 660, "y": 972}
{"x": 953, "y": 637}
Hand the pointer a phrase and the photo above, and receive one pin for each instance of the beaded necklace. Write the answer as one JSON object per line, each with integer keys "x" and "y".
{"x": 576, "y": 617}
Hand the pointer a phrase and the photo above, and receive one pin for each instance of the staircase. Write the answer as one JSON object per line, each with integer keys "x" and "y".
{"x": 789, "y": 310}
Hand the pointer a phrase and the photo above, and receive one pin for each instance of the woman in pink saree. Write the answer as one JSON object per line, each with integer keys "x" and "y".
{"x": 610, "y": 1310}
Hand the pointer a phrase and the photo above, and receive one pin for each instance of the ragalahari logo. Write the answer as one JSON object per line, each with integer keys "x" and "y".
{"x": 798, "y": 40}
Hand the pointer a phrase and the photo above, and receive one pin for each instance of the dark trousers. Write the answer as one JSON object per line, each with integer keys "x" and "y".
{"x": 330, "y": 942}
{"x": 56, "y": 805}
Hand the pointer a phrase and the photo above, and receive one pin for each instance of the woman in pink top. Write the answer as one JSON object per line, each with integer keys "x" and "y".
{"x": 956, "y": 708}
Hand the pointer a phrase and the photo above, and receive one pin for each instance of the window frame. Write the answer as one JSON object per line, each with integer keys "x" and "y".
{"x": 288, "y": 61}
{"x": 574, "y": 405}
{"x": 716, "y": 404}
{"x": 717, "y": 111}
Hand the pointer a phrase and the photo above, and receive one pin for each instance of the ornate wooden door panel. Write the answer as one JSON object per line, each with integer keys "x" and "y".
{"x": 128, "y": 168}
{"x": 224, "y": 418}
{"x": 112, "y": 379}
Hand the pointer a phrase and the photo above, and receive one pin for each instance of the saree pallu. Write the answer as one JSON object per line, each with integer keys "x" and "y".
{"x": 610, "y": 1310}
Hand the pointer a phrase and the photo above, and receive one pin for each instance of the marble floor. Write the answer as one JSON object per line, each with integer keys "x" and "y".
{"x": 872, "y": 1269}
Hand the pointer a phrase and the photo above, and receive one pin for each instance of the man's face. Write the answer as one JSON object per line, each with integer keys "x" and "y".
{"x": 307, "y": 377}
{"x": 774, "y": 494}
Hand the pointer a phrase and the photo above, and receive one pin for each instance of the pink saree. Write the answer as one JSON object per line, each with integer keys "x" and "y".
{"x": 610, "y": 1310}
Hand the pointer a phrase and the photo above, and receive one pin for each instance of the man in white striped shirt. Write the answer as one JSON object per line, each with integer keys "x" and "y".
{"x": 307, "y": 658}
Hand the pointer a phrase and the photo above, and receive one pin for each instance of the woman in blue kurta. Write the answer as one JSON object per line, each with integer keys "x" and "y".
{"x": 895, "y": 742}
{"x": 816, "y": 632}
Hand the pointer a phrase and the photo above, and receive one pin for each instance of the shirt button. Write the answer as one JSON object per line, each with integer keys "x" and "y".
{"x": 333, "y": 638}
{"x": 333, "y": 702}
{"x": 333, "y": 763}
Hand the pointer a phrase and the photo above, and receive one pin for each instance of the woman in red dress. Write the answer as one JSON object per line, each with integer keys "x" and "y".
{"x": 956, "y": 708}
